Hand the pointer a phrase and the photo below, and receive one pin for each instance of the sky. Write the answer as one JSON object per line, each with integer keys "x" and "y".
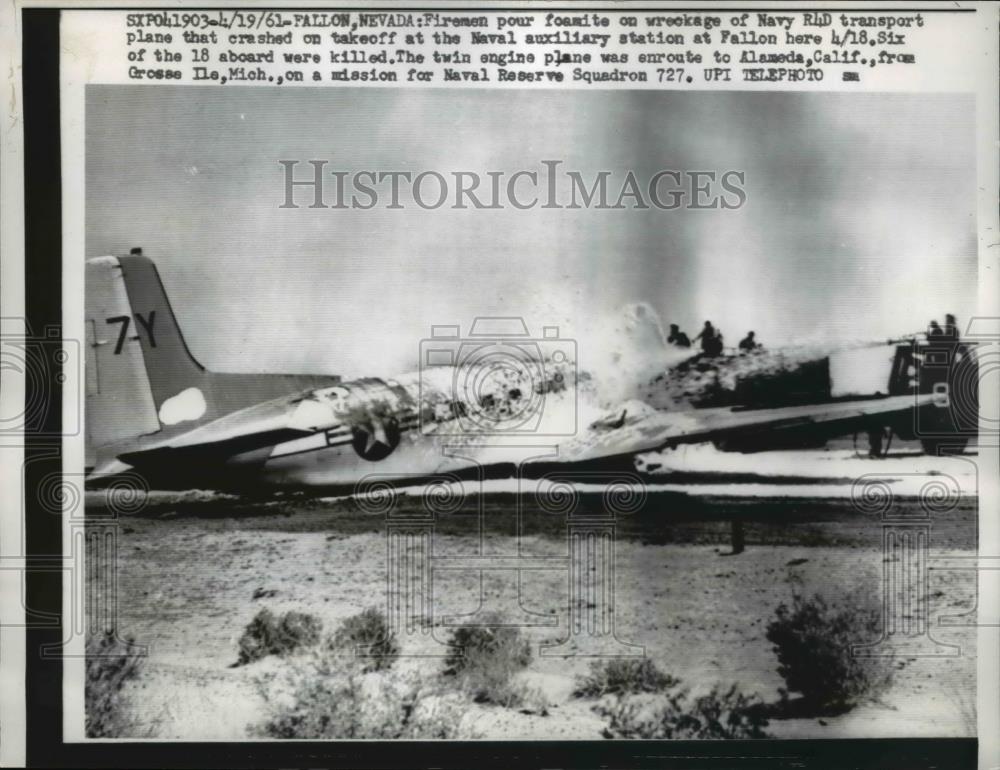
{"x": 859, "y": 221}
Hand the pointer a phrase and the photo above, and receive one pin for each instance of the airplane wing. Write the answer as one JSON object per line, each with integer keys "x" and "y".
{"x": 647, "y": 430}
{"x": 635, "y": 429}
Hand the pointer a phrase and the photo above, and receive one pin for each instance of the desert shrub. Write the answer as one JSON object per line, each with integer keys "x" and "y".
{"x": 268, "y": 634}
{"x": 718, "y": 715}
{"x": 325, "y": 696}
{"x": 485, "y": 658}
{"x": 110, "y": 664}
{"x": 622, "y": 676}
{"x": 367, "y": 630}
{"x": 813, "y": 643}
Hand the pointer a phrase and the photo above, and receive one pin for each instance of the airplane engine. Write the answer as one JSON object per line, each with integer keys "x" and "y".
{"x": 948, "y": 369}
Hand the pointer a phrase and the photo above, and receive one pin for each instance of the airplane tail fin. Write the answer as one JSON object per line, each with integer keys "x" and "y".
{"x": 140, "y": 374}
{"x": 171, "y": 367}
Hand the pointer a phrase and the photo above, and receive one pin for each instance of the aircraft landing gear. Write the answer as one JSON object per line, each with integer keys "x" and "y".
{"x": 879, "y": 441}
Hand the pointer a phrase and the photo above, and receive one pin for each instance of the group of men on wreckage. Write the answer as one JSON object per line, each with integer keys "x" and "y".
{"x": 711, "y": 345}
{"x": 711, "y": 340}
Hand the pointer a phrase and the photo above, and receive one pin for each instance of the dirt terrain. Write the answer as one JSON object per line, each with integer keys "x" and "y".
{"x": 194, "y": 569}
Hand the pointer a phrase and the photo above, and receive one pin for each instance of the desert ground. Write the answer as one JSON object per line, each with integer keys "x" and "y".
{"x": 194, "y": 568}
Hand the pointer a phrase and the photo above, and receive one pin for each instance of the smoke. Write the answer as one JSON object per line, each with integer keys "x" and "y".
{"x": 843, "y": 236}
{"x": 620, "y": 354}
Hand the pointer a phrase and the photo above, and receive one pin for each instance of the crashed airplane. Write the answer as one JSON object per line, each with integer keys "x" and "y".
{"x": 489, "y": 403}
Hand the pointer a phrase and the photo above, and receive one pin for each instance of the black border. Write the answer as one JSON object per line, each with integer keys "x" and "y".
{"x": 43, "y": 316}
{"x": 43, "y": 677}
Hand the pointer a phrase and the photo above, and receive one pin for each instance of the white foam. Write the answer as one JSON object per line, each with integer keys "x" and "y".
{"x": 107, "y": 261}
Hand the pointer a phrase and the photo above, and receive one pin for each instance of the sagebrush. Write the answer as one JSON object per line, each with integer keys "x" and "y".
{"x": 484, "y": 659}
{"x": 622, "y": 676}
{"x": 110, "y": 663}
{"x": 268, "y": 634}
{"x": 368, "y": 635}
{"x": 722, "y": 714}
{"x": 813, "y": 641}
{"x": 323, "y": 696}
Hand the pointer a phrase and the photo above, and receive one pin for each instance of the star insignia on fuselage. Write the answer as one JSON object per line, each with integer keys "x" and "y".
{"x": 376, "y": 439}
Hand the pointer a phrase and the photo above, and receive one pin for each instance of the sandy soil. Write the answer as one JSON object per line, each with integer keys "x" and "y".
{"x": 190, "y": 568}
